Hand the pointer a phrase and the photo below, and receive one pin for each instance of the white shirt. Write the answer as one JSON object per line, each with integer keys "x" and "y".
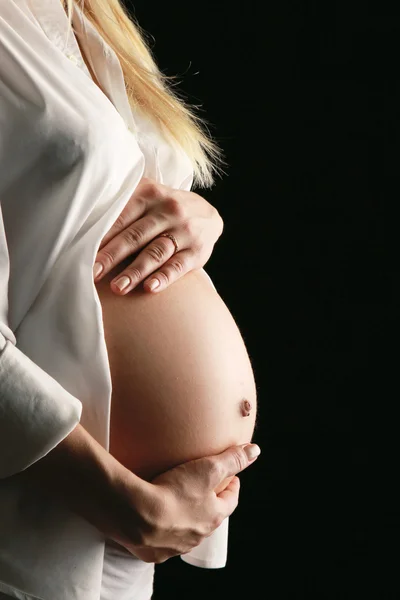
{"x": 71, "y": 156}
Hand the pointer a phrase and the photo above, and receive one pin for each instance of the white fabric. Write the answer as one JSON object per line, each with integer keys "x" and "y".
{"x": 125, "y": 577}
{"x": 70, "y": 158}
{"x": 212, "y": 552}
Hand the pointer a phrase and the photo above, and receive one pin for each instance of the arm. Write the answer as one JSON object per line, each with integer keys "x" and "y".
{"x": 41, "y": 440}
{"x": 80, "y": 473}
{"x": 170, "y": 516}
{"x": 36, "y": 412}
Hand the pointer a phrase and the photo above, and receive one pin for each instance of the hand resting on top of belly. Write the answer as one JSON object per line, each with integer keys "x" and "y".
{"x": 182, "y": 382}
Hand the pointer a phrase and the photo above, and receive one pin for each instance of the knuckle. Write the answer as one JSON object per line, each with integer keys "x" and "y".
{"x": 213, "y": 523}
{"x": 140, "y": 201}
{"x": 239, "y": 459}
{"x": 177, "y": 266}
{"x": 199, "y": 533}
{"x": 108, "y": 256}
{"x": 174, "y": 207}
{"x": 189, "y": 228}
{"x": 192, "y": 256}
{"x": 157, "y": 251}
{"x": 120, "y": 222}
{"x": 152, "y": 222}
{"x": 163, "y": 277}
{"x": 149, "y": 187}
{"x": 217, "y": 520}
{"x": 133, "y": 237}
{"x": 134, "y": 273}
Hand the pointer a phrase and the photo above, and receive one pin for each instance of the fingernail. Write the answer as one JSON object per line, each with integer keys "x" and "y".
{"x": 122, "y": 283}
{"x": 153, "y": 284}
{"x": 97, "y": 269}
{"x": 252, "y": 451}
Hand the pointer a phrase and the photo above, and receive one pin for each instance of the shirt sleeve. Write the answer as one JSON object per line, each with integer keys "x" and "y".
{"x": 212, "y": 552}
{"x": 36, "y": 412}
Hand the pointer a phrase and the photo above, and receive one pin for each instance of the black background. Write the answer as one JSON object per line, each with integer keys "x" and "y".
{"x": 304, "y": 99}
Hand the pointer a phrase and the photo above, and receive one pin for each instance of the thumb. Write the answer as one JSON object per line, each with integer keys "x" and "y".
{"x": 233, "y": 460}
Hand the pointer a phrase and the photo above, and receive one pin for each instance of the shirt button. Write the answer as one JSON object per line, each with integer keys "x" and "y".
{"x": 73, "y": 58}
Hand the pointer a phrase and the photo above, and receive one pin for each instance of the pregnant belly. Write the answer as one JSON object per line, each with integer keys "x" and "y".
{"x": 182, "y": 381}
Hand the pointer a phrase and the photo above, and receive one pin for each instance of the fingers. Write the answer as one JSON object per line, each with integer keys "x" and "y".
{"x": 147, "y": 194}
{"x": 131, "y": 213}
{"x": 179, "y": 264}
{"x": 223, "y": 485}
{"x": 161, "y": 251}
{"x": 150, "y": 211}
{"x": 152, "y": 257}
{"x": 231, "y": 461}
{"x": 153, "y": 209}
{"x": 230, "y": 495}
{"x": 129, "y": 241}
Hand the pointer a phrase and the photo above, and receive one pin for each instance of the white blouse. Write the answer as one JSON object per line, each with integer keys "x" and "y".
{"x": 71, "y": 156}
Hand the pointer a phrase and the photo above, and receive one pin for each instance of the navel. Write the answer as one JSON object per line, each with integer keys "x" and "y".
{"x": 245, "y": 408}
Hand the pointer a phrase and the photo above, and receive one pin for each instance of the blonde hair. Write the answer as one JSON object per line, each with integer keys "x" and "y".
{"x": 148, "y": 89}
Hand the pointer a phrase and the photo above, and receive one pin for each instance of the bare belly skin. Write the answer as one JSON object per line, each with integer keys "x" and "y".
{"x": 183, "y": 386}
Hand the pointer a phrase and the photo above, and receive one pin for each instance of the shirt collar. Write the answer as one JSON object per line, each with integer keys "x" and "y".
{"x": 102, "y": 58}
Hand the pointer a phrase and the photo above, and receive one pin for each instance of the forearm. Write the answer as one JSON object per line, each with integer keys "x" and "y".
{"x": 155, "y": 520}
{"x": 80, "y": 473}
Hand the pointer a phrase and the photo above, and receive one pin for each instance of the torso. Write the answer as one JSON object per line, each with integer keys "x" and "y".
{"x": 180, "y": 373}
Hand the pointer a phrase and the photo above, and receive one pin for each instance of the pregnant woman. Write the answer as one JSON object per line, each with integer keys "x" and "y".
{"x": 182, "y": 382}
{"x": 123, "y": 415}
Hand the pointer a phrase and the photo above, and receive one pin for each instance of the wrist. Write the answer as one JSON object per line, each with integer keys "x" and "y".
{"x": 140, "y": 508}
